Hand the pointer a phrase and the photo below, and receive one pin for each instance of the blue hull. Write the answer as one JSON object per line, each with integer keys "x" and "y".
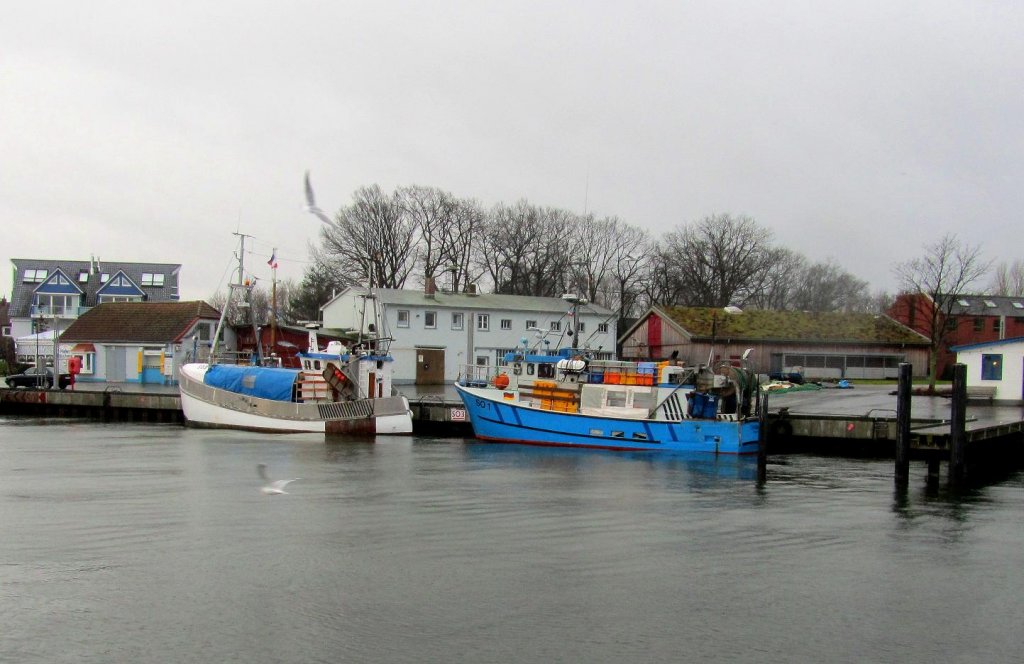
{"x": 494, "y": 419}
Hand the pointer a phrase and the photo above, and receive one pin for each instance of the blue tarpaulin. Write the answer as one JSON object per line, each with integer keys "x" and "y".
{"x": 260, "y": 382}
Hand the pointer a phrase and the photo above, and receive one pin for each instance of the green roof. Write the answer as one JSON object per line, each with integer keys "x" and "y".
{"x": 768, "y": 325}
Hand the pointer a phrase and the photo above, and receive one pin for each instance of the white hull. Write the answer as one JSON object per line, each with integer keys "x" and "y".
{"x": 207, "y": 406}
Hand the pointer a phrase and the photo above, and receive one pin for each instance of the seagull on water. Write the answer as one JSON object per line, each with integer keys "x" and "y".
{"x": 273, "y": 487}
{"x": 311, "y": 205}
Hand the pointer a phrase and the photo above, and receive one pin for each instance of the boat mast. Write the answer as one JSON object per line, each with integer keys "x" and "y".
{"x": 227, "y": 302}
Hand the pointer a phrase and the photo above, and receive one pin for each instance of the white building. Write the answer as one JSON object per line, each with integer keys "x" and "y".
{"x": 436, "y": 333}
{"x": 998, "y": 364}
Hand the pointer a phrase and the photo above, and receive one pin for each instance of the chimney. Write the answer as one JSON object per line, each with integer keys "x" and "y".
{"x": 429, "y": 288}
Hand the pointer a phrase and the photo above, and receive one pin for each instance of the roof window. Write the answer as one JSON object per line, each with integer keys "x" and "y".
{"x": 990, "y": 303}
{"x": 35, "y": 276}
{"x": 963, "y": 303}
{"x": 154, "y": 279}
{"x": 83, "y": 276}
{"x": 1017, "y": 305}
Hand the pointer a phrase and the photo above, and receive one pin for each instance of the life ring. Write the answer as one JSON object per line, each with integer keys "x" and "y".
{"x": 781, "y": 430}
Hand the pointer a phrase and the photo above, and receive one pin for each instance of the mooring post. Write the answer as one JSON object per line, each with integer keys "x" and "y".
{"x": 958, "y": 424}
{"x": 903, "y": 424}
{"x": 762, "y": 439}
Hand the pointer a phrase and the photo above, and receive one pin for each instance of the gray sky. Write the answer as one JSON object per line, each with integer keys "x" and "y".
{"x": 857, "y": 131}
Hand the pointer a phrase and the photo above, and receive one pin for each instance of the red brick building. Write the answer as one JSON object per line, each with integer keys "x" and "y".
{"x": 972, "y": 319}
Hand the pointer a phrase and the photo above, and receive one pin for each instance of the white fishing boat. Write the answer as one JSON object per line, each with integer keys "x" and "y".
{"x": 336, "y": 390}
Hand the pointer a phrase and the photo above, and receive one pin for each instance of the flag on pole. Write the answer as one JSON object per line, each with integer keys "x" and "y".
{"x": 273, "y": 259}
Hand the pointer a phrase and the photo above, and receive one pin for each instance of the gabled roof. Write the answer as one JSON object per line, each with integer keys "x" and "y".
{"x": 53, "y": 283}
{"x": 21, "y": 292}
{"x": 799, "y": 326}
{"x": 138, "y": 322}
{"x": 489, "y": 301}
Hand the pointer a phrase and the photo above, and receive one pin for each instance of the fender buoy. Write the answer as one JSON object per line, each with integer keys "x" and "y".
{"x": 501, "y": 381}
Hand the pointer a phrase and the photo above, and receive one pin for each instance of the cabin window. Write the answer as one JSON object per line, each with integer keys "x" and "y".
{"x": 616, "y": 399}
{"x": 530, "y": 324}
{"x": 602, "y": 328}
{"x": 430, "y": 320}
{"x": 991, "y": 367}
{"x": 403, "y": 318}
{"x": 483, "y": 322}
{"x": 506, "y": 323}
{"x": 457, "y": 321}
{"x": 643, "y": 399}
{"x": 639, "y": 435}
{"x": 529, "y": 369}
{"x": 545, "y": 371}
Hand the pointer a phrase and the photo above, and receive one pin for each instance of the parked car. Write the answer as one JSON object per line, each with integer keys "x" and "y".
{"x": 33, "y": 376}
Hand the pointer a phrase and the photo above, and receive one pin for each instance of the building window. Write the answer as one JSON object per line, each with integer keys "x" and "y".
{"x": 83, "y": 276}
{"x": 430, "y": 320}
{"x": 204, "y": 332}
{"x": 582, "y": 327}
{"x": 6, "y": 331}
{"x": 457, "y": 320}
{"x": 154, "y": 279}
{"x": 104, "y": 277}
{"x": 602, "y": 328}
{"x": 35, "y": 276}
{"x": 991, "y": 367}
{"x": 531, "y": 324}
{"x": 979, "y": 324}
{"x": 403, "y": 318}
{"x": 996, "y": 325}
{"x": 483, "y": 322}
{"x": 506, "y": 323}
{"x": 556, "y": 326}
{"x": 951, "y": 324}
{"x": 481, "y": 360}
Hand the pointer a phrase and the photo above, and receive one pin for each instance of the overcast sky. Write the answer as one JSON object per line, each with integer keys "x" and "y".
{"x": 856, "y": 131}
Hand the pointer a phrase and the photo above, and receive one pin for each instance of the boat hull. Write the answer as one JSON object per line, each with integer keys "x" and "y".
{"x": 211, "y": 407}
{"x": 494, "y": 418}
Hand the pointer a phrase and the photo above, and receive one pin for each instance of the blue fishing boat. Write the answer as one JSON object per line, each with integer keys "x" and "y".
{"x": 566, "y": 399}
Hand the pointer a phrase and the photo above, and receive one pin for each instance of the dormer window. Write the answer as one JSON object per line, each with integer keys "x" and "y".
{"x": 35, "y": 276}
{"x": 154, "y": 279}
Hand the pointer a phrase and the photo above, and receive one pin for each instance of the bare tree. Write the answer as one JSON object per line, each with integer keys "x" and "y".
{"x": 718, "y": 260}
{"x": 943, "y": 274}
{"x": 777, "y": 285}
{"x": 828, "y": 287}
{"x": 1008, "y": 279}
{"x": 525, "y": 250}
{"x": 373, "y": 238}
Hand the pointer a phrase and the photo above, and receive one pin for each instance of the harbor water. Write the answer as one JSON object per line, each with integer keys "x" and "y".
{"x": 153, "y": 543}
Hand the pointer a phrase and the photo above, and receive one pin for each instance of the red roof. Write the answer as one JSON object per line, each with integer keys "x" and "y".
{"x": 138, "y": 322}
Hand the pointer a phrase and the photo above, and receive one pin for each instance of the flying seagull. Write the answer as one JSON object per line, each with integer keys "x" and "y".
{"x": 273, "y": 487}
{"x": 311, "y": 204}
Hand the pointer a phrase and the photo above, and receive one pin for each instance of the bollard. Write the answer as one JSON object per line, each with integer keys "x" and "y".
{"x": 903, "y": 424}
{"x": 958, "y": 425}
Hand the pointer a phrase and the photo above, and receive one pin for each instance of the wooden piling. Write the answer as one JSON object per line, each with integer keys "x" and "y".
{"x": 903, "y": 424}
{"x": 762, "y": 439}
{"x": 958, "y": 425}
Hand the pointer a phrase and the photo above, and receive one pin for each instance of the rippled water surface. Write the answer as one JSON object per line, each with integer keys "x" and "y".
{"x": 154, "y": 543}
